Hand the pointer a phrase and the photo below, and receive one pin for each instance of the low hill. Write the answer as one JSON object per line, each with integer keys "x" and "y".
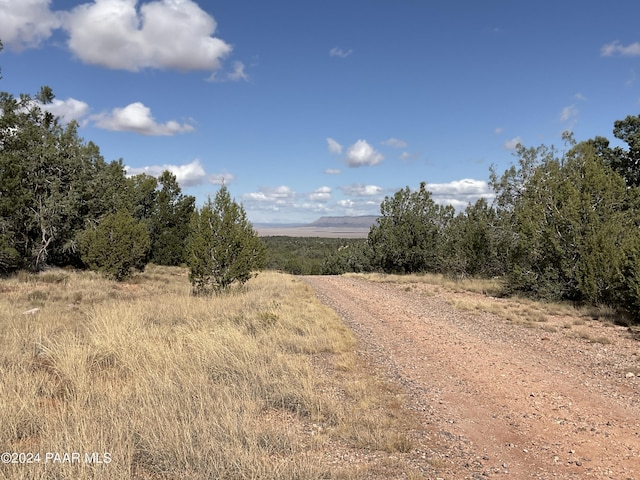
{"x": 363, "y": 221}
{"x": 327, "y": 227}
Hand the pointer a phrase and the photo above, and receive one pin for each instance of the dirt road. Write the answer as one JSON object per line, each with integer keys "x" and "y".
{"x": 497, "y": 399}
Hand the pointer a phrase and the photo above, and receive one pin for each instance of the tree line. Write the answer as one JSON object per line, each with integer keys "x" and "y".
{"x": 564, "y": 225}
{"x": 62, "y": 204}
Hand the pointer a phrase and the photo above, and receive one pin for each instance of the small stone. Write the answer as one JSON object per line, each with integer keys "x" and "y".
{"x": 630, "y": 375}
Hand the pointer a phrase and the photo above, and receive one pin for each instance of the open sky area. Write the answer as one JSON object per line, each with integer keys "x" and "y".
{"x": 307, "y": 108}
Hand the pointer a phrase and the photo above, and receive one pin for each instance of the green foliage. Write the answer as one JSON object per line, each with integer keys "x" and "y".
{"x": 223, "y": 247}
{"x": 316, "y": 255}
{"x": 470, "y": 244}
{"x": 627, "y": 163}
{"x": 52, "y": 182}
{"x": 169, "y": 222}
{"x": 572, "y": 230}
{"x": 117, "y": 246}
{"x": 406, "y": 237}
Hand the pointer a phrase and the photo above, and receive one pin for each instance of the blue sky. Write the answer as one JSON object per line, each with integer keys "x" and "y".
{"x": 307, "y": 108}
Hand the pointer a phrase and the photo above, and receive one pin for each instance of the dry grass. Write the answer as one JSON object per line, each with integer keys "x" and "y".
{"x": 261, "y": 383}
{"x": 479, "y": 295}
{"x": 467, "y": 284}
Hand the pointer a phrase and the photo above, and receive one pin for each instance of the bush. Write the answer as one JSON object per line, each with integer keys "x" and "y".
{"x": 116, "y": 247}
{"x": 222, "y": 248}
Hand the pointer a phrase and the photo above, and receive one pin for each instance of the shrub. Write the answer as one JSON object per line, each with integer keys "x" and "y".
{"x": 117, "y": 246}
{"x": 222, "y": 248}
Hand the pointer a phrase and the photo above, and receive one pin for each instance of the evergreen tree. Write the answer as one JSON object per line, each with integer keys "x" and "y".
{"x": 223, "y": 247}
{"x": 117, "y": 246}
{"x": 406, "y": 237}
{"x": 169, "y": 225}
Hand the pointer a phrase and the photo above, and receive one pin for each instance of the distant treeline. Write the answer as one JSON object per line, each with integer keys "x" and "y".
{"x": 564, "y": 225}
{"x": 316, "y": 256}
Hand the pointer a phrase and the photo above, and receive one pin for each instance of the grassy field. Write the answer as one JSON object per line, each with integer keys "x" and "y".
{"x": 141, "y": 380}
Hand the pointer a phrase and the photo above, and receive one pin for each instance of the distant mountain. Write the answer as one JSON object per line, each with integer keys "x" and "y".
{"x": 327, "y": 227}
{"x": 363, "y": 221}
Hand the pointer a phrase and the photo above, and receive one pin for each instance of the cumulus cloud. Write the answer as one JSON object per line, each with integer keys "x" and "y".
{"x": 322, "y": 194}
{"x": 188, "y": 175}
{"x": 221, "y": 178}
{"x": 26, "y": 23}
{"x": 396, "y": 143}
{"x": 498, "y": 130}
{"x": 362, "y": 154}
{"x": 513, "y": 143}
{"x": 616, "y": 48}
{"x": 69, "y": 109}
{"x": 460, "y": 193}
{"x": 137, "y": 118}
{"x": 278, "y": 196}
{"x": 356, "y": 207}
{"x": 333, "y": 171}
{"x": 175, "y": 34}
{"x": 339, "y": 52}
{"x": 359, "y": 190}
{"x": 334, "y": 147}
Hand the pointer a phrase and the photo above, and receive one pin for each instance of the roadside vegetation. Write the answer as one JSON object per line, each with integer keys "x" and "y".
{"x": 560, "y": 224}
{"x": 262, "y": 382}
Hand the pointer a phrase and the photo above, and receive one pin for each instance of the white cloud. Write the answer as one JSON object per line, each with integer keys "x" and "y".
{"x": 26, "y": 23}
{"x": 616, "y": 48}
{"x": 407, "y": 156}
{"x": 396, "y": 143}
{"x": 460, "y": 193}
{"x": 580, "y": 96}
{"x": 278, "y": 196}
{"x": 362, "y": 154}
{"x": 221, "y": 178}
{"x": 137, "y": 118}
{"x": 238, "y": 72}
{"x": 322, "y": 194}
{"x": 69, "y": 109}
{"x": 175, "y": 34}
{"x": 333, "y": 171}
{"x": 334, "y": 147}
{"x": 568, "y": 113}
{"x": 339, "y": 52}
{"x": 513, "y": 143}
{"x": 498, "y": 130}
{"x": 187, "y": 175}
{"x": 358, "y": 190}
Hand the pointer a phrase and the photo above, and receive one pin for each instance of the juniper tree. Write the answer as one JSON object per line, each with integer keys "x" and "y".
{"x": 116, "y": 247}
{"x": 222, "y": 248}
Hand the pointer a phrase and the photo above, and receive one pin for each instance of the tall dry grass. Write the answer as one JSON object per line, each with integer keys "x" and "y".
{"x": 487, "y": 286}
{"x": 157, "y": 384}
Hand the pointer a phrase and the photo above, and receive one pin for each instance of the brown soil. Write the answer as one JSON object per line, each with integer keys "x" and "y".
{"x": 497, "y": 399}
